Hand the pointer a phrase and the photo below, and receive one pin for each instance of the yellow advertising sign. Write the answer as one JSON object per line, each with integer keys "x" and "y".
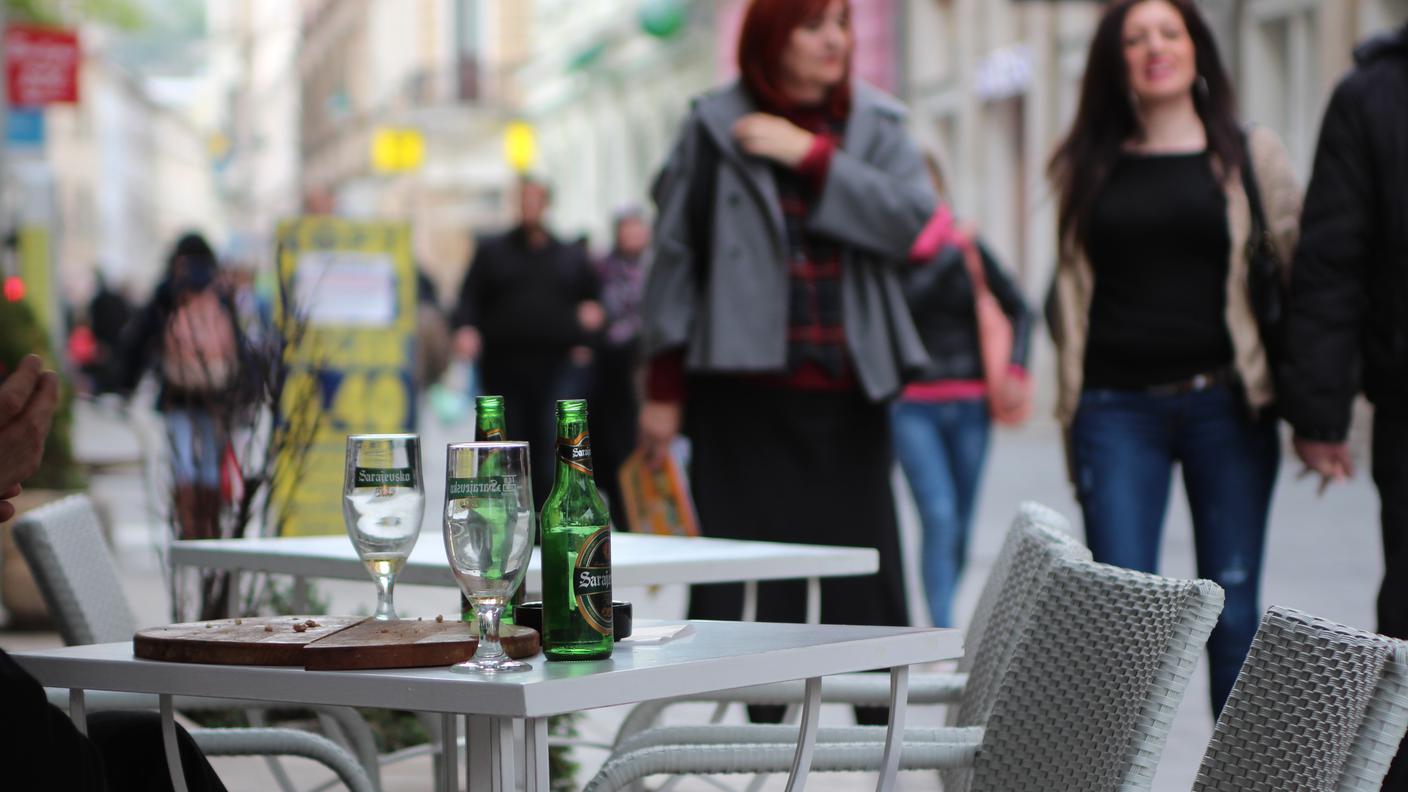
{"x": 355, "y": 285}
{"x": 520, "y": 145}
{"x": 396, "y": 150}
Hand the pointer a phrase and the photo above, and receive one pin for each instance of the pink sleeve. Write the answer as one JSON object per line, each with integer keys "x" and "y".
{"x": 939, "y": 232}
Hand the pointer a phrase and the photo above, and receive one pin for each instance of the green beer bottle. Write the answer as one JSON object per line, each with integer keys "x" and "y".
{"x": 489, "y": 427}
{"x": 576, "y": 548}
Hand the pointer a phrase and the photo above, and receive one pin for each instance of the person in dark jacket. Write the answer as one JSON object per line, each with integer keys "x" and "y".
{"x": 108, "y": 313}
{"x": 528, "y": 307}
{"x": 941, "y": 422}
{"x": 1347, "y": 318}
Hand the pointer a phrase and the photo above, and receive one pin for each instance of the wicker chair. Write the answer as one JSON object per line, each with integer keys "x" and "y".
{"x": 1037, "y": 536}
{"x": 1318, "y": 707}
{"x": 65, "y": 549}
{"x": 1085, "y": 703}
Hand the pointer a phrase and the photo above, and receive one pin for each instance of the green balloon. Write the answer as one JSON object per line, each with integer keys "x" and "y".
{"x": 662, "y": 18}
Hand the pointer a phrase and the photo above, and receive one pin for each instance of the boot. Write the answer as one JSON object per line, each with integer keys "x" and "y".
{"x": 187, "y": 503}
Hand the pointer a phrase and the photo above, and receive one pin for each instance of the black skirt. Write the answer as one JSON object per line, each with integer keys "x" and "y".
{"x": 783, "y": 465}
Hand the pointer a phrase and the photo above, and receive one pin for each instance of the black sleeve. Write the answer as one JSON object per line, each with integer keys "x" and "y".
{"x": 40, "y": 747}
{"x": 588, "y": 281}
{"x": 467, "y": 310}
{"x": 1328, "y": 298}
{"x": 1013, "y": 304}
{"x": 137, "y": 342}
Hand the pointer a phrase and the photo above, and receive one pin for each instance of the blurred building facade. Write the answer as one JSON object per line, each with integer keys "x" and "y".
{"x": 130, "y": 171}
{"x": 438, "y": 67}
{"x": 254, "y": 141}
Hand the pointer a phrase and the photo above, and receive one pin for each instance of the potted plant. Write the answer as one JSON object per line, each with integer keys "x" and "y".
{"x": 58, "y": 474}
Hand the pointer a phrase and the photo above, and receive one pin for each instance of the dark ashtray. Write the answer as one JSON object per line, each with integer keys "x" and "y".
{"x": 530, "y": 614}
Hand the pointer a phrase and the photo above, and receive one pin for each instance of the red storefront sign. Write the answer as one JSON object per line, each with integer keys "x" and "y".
{"x": 41, "y": 65}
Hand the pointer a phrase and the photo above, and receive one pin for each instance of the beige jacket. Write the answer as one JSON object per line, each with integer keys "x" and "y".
{"x": 1075, "y": 280}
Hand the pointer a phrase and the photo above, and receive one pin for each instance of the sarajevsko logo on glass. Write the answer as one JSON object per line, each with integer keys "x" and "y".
{"x": 480, "y": 487}
{"x": 383, "y": 477}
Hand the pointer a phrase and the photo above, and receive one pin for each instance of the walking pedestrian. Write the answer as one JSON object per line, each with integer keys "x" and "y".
{"x": 527, "y": 305}
{"x": 942, "y": 421}
{"x": 1347, "y": 318}
{"x": 773, "y": 316}
{"x": 1160, "y": 357}
{"x": 615, "y": 406}
{"x": 189, "y": 334}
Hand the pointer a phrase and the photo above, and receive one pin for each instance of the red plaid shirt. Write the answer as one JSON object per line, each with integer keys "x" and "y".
{"x": 817, "y": 358}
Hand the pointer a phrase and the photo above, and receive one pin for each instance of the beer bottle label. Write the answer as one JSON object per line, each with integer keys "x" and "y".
{"x": 480, "y": 487}
{"x": 493, "y": 435}
{"x": 383, "y": 477}
{"x": 591, "y": 581}
{"x": 577, "y": 452}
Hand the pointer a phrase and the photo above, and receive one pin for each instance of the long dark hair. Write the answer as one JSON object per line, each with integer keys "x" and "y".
{"x": 1106, "y": 118}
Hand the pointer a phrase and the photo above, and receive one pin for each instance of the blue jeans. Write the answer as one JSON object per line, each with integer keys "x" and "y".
{"x": 941, "y": 446}
{"x": 1124, "y": 446}
{"x": 195, "y": 447}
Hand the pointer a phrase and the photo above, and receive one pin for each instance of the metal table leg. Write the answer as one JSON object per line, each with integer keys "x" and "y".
{"x": 806, "y": 738}
{"x": 535, "y": 774}
{"x": 894, "y": 735}
{"x": 449, "y": 753}
{"x": 173, "y": 750}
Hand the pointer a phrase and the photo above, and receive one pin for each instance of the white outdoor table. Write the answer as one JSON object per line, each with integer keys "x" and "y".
{"x": 636, "y": 560}
{"x": 715, "y": 656}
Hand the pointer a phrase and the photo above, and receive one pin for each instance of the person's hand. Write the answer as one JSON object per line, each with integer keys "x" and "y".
{"x": 772, "y": 137}
{"x": 28, "y": 398}
{"x": 467, "y": 344}
{"x": 659, "y": 425}
{"x": 581, "y": 355}
{"x": 7, "y": 509}
{"x": 591, "y": 316}
{"x": 1013, "y": 394}
{"x": 1331, "y": 461}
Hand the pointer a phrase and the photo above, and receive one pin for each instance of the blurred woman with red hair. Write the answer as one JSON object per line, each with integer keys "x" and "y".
{"x": 773, "y": 318}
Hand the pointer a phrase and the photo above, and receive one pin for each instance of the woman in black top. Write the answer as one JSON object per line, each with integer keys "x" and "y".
{"x": 1160, "y": 359}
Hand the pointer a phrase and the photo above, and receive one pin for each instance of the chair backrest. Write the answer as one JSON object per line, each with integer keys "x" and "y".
{"x": 1033, "y": 543}
{"x": 1318, "y": 706}
{"x": 1099, "y": 669}
{"x": 64, "y": 545}
{"x": 1033, "y": 520}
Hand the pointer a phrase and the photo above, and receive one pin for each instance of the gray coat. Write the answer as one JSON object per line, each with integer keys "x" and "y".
{"x": 733, "y": 317}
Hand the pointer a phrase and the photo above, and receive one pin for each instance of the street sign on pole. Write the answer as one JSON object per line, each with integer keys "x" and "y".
{"x": 41, "y": 66}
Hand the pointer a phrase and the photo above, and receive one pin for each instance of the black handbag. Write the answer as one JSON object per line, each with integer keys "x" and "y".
{"x": 1265, "y": 287}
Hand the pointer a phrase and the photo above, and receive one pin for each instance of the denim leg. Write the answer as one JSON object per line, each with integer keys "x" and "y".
{"x": 208, "y": 449}
{"x": 181, "y": 433}
{"x": 965, "y": 427}
{"x": 919, "y": 447}
{"x": 1229, "y": 469}
{"x": 1123, "y": 452}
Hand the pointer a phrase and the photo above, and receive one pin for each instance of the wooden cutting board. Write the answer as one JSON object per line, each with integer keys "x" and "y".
{"x": 409, "y": 644}
{"x": 324, "y": 643}
{"x": 270, "y": 640}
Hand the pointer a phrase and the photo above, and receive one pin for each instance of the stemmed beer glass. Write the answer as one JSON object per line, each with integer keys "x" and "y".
{"x": 488, "y": 537}
{"x": 383, "y": 502}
